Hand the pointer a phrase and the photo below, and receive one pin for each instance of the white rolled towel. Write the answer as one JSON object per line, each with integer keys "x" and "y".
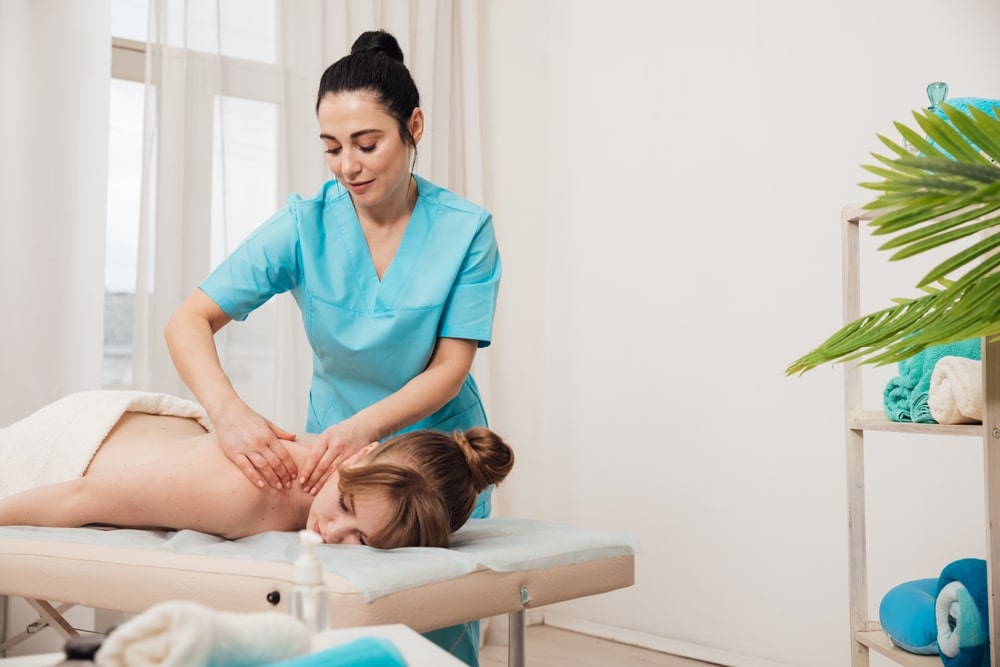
{"x": 956, "y": 391}
{"x": 187, "y": 634}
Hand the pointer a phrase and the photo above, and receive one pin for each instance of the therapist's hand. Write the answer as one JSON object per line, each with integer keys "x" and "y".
{"x": 254, "y": 445}
{"x": 330, "y": 449}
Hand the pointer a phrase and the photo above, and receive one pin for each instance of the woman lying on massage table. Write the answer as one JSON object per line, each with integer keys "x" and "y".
{"x": 168, "y": 472}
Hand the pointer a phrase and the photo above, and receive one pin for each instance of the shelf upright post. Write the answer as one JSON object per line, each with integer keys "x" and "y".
{"x": 856, "y": 540}
{"x": 991, "y": 467}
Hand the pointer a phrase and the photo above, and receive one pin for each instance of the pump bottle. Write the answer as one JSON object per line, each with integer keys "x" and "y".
{"x": 309, "y": 599}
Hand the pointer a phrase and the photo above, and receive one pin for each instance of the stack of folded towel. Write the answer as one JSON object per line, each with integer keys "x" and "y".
{"x": 906, "y": 397}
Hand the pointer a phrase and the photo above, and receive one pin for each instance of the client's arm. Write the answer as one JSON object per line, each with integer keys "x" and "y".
{"x": 64, "y": 505}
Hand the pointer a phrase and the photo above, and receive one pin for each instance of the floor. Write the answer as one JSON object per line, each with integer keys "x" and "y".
{"x": 551, "y": 647}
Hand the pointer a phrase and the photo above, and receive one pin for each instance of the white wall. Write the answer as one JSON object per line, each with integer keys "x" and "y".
{"x": 52, "y": 199}
{"x": 667, "y": 180}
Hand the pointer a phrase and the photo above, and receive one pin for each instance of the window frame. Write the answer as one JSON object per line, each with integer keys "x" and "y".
{"x": 185, "y": 141}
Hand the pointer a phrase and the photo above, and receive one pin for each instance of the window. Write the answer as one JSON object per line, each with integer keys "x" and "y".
{"x": 244, "y": 185}
{"x": 231, "y": 44}
{"x": 124, "y": 187}
{"x": 125, "y": 131}
{"x": 244, "y": 166}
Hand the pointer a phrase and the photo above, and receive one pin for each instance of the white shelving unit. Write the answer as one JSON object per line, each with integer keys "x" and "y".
{"x": 867, "y": 634}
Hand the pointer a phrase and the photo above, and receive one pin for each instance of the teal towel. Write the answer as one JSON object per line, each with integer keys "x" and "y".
{"x": 905, "y": 396}
{"x": 362, "y": 652}
{"x": 961, "y": 610}
{"x": 896, "y": 396}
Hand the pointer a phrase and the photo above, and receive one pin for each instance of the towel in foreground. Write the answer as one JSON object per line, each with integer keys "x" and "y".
{"x": 186, "y": 634}
{"x": 366, "y": 651}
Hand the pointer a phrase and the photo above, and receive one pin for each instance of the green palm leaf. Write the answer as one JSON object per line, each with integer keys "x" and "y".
{"x": 946, "y": 192}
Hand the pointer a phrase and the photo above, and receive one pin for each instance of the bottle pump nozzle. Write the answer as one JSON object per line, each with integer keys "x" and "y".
{"x": 308, "y": 570}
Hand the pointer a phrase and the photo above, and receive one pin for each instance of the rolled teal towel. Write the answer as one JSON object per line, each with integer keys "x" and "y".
{"x": 362, "y": 652}
{"x": 905, "y": 396}
{"x": 961, "y": 610}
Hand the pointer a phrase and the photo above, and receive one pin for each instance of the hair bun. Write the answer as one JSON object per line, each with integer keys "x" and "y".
{"x": 377, "y": 41}
{"x": 489, "y": 458}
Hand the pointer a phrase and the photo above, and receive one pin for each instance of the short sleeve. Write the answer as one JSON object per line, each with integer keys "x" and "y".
{"x": 471, "y": 305}
{"x": 265, "y": 264}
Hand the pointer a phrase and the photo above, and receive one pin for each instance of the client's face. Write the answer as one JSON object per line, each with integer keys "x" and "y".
{"x": 342, "y": 518}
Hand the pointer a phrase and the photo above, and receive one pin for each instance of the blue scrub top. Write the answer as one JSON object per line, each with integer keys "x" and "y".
{"x": 370, "y": 337}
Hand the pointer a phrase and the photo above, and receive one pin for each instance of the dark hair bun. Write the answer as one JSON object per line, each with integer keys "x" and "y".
{"x": 377, "y": 41}
{"x": 489, "y": 458}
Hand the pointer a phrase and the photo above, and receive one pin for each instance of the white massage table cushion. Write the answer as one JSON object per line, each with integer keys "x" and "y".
{"x": 495, "y": 566}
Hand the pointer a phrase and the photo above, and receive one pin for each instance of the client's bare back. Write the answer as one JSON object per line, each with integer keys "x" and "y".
{"x": 143, "y": 438}
{"x": 156, "y": 471}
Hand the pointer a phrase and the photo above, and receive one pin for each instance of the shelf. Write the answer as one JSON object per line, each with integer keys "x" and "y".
{"x": 866, "y": 634}
{"x": 877, "y": 641}
{"x": 855, "y": 213}
{"x": 875, "y": 420}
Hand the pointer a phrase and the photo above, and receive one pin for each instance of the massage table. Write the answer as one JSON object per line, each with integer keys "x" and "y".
{"x": 495, "y": 566}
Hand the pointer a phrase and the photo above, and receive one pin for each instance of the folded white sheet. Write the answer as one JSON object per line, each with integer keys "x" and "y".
{"x": 57, "y": 442}
{"x": 956, "y": 393}
{"x": 187, "y": 634}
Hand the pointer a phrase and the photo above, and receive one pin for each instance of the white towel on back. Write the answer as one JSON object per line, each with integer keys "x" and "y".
{"x": 57, "y": 442}
{"x": 956, "y": 393}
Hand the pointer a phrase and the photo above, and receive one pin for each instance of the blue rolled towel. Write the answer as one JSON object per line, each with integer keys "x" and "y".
{"x": 362, "y": 652}
{"x": 962, "y": 613}
{"x": 905, "y": 398}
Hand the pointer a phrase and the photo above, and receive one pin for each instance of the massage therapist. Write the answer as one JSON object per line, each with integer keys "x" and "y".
{"x": 396, "y": 279}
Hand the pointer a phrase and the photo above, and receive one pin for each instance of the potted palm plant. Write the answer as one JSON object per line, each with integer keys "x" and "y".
{"x": 941, "y": 185}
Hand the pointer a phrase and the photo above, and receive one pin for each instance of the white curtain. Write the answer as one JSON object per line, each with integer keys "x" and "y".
{"x": 54, "y": 64}
{"x": 232, "y": 87}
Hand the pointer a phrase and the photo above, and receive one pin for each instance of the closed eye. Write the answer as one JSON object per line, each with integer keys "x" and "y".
{"x": 367, "y": 149}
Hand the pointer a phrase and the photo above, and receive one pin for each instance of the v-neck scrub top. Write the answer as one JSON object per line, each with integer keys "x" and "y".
{"x": 369, "y": 337}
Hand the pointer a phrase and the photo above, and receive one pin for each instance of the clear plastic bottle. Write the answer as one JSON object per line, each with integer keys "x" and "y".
{"x": 309, "y": 599}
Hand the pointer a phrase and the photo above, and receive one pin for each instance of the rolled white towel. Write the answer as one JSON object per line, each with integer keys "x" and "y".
{"x": 187, "y": 634}
{"x": 956, "y": 392}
